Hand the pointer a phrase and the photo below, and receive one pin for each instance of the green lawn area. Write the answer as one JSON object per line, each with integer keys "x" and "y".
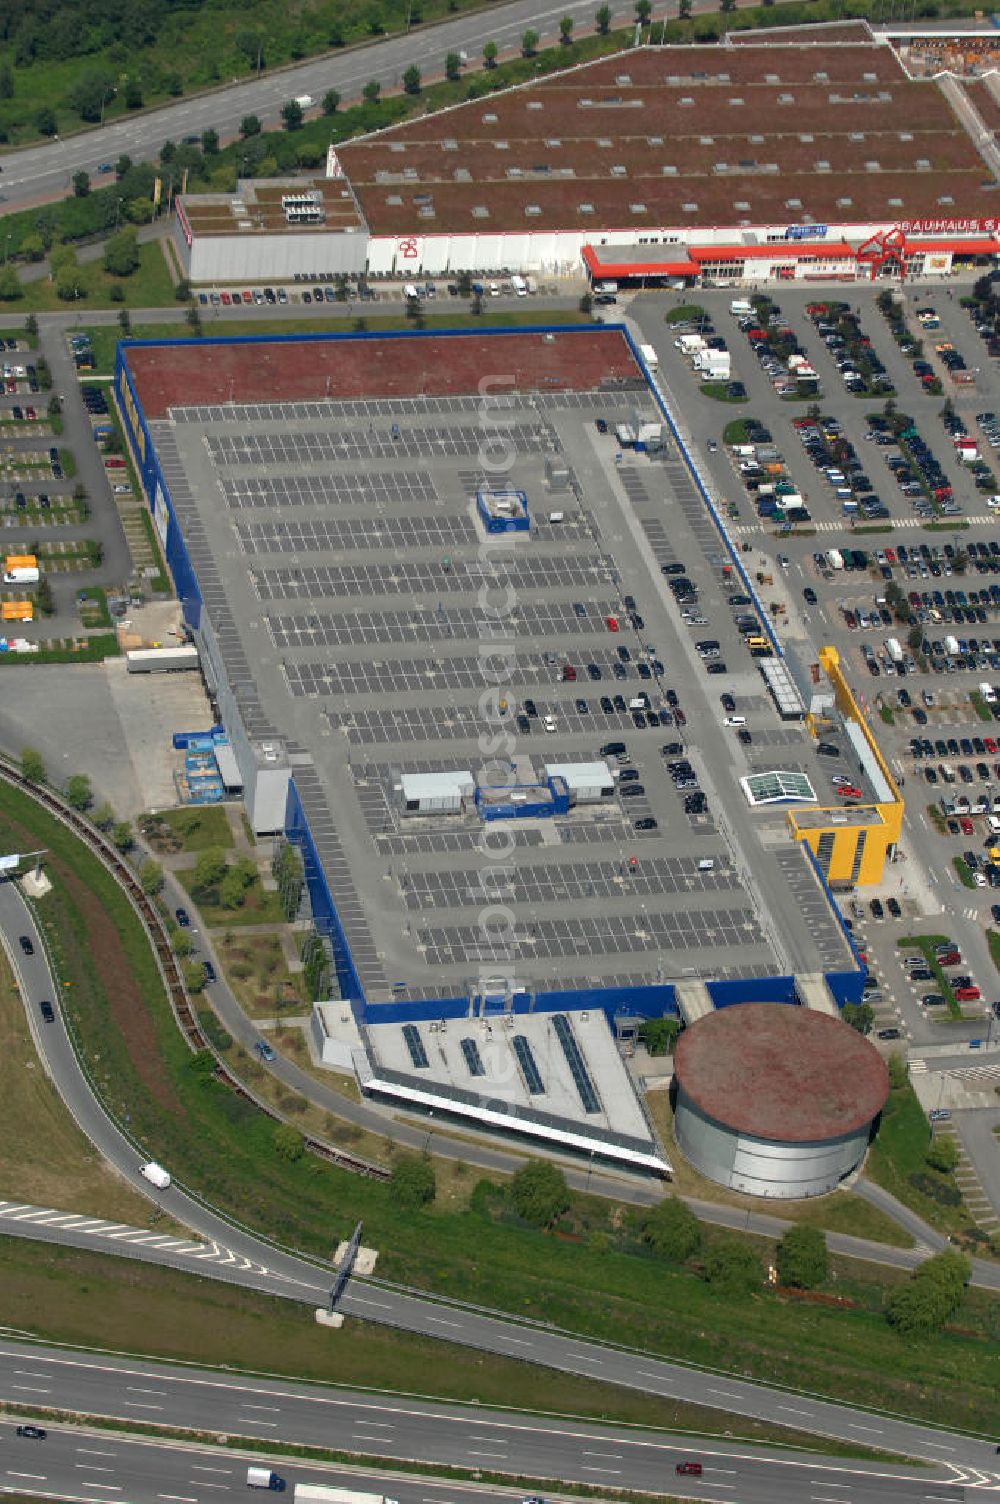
{"x": 925, "y": 944}
{"x": 897, "y": 1156}
{"x": 149, "y": 287}
{"x": 606, "y": 1284}
{"x": 963, "y": 871}
{"x": 735, "y": 432}
{"x": 259, "y": 907}
{"x": 196, "y": 827}
{"x": 684, "y": 314}
{"x": 93, "y": 1300}
{"x": 993, "y": 941}
{"x": 719, "y": 390}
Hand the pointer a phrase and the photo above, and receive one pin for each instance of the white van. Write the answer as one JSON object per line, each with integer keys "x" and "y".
{"x": 736, "y": 720}
{"x": 706, "y": 864}
{"x": 740, "y": 308}
{"x": 557, "y": 517}
{"x": 156, "y": 1174}
{"x": 410, "y": 292}
{"x": 993, "y": 824}
{"x": 520, "y": 286}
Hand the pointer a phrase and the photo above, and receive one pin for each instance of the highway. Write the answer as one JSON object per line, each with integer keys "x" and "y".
{"x": 34, "y": 174}
{"x": 399, "y": 1428}
{"x": 45, "y": 171}
{"x": 240, "y": 1257}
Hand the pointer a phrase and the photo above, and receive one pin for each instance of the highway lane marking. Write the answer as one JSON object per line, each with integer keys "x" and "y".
{"x": 875, "y": 1430}
{"x": 726, "y": 1394}
{"x": 177, "y": 1498}
{"x": 613, "y": 1472}
{"x": 474, "y": 1453}
{"x": 825, "y": 1483}
{"x": 363, "y": 1436}
{"x": 440, "y": 1321}
{"x": 30, "y": 1388}
{"x": 94, "y": 1452}
{"x": 114, "y": 1487}
{"x": 613, "y": 1456}
{"x": 138, "y": 1405}
{"x": 378, "y": 1305}
{"x": 584, "y": 1358}
{"x": 384, "y": 1425}
{"x": 200, "y": 1483}
{"x": 520, "y": 1341}
{"x": 199, "y": 1467}
{"x": 791, "y": 1410}
{"x": 938, "y": 1446}
{"x": 41, "y": 1477}
{"x": 275, "y": 1409}
{"x": 93, "y": 1467}
{"x": 135, "y": 1389}
{"x": 825, "y": 1499}
{"x": 27, "y": 1373}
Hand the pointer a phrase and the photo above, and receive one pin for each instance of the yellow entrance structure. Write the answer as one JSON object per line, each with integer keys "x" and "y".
{"x": 852, "y": 843}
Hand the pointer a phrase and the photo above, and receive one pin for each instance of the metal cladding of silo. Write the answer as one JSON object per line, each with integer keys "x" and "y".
{"x": 776, "y": 1100}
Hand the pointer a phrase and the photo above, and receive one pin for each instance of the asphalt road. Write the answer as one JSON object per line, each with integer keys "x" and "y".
{"x": 401, "y": 1428}
{"x": 37, "y": 173}
{"x": 240, "y": 1257}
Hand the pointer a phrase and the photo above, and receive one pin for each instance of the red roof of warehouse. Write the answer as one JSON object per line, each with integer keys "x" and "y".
{"x": 191, "y": 373}
{"x": 775, "y": 134}
{"x": 780, "y": 1072}
{"x": 833, "y": 250}
{"x": 601, "y": 268}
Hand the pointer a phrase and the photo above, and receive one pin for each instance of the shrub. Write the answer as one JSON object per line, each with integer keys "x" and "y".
{"x": 733, "y": 1266}
{"x": 672, "y": 1230}
{"x": 802, "y": 1259}
{"x": 538, "y": 1193}
{"x": 413, "y": 1182}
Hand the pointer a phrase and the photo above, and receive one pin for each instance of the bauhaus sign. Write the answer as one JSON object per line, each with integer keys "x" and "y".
{"x": 949, "y": 226}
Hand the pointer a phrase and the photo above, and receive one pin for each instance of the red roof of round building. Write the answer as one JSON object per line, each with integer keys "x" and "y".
{"x": 781, "y": 1072}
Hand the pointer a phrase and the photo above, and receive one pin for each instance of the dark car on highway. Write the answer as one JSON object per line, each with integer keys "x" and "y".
{"x": 26, "y": 945}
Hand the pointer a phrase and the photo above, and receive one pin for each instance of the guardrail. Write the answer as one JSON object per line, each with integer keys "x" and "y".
{"x": 180, "y": 1002}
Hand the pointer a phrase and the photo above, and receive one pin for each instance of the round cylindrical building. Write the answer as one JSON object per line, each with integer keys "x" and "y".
{"x": 776, "y": 1100}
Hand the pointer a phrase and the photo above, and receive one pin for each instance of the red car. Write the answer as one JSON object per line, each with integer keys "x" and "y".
{"x": 989, "y": 744}
{"x": 247, "y": 296}
{"x": 689, "y": 1469}
{"x": 226, "y": 299}
{"x": 114, "y": 462}
{"x": 965, "y": 824}
{"x": 949, "y": 958}
{"x": 967, "y": 994}
{"x": 611, "y": 622}
{"x": 849, "y": 791}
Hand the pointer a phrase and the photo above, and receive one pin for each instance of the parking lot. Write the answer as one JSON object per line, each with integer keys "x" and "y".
{"x": 350, "y": 549}
{"x": 913, "y": 610}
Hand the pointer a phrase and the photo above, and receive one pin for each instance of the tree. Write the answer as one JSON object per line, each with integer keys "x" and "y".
{"x": 932, "y": 1294}
{"x": 291, "y": 115}
{"x": 801, "y": 1258}
{"x": 103, "y": 816}
{"x": 464, "y": 284}
{"x": 733, "y": 1266}
{"x": 46, "y": 123}
{"x": 411, "y": 79}
{"x": 33, "y": 248}
{"x": 122, "y": 166}
{"x": 371, "y": 91}
{"x": 193, "y": 319}
{"x": 452, "y": 67}
{"x": 124, "y": 322}
{"x": 684, "y": 10}
{"x": 289, "y": 1144}
{"x": 659, "y": 1035}
{"x": 79, "y": 792}
{"x": 81, "y": 184}
{"x": 183, "y": 945}
{"x": 586, "y": 303}
{"x": 412, "y": 1183}
{"x": 133, "y": 94}
{"x": 32, "y": 765}
{"x": 566, "y": 30}
{"x": 10, "y": 284}
{"x": 121, "y": 835}
{"x": 194, "y": 977}
{"x": 210, "y": 142}
{"x": 643, "y": 11}
{"x": 90, "y": 93}
{"x": 914, "y": 637}
{"x": 6, "y": 82}
{"x": 174, "y": 85}
{"x": 726, "y": 6}
{"x": 538, "y": 1192}
{"x": 139, "y": 211}
{"x": 251, "y": 44}
{"x": 672, "y": 1230}
{"x": 121, "y": 254}
{"x": 182, "y": 291}
{"x": 860, "y": 1016}
{"x": 529, "y": 43}
{"x": 232, "y": 890}
{"x": 150, "y": 877}
{"x": 250, "y": 126}
{"x": 209, "y": 870}
{"x": 489, "y": 54}
{"x": 942, "y": 1154}
{"x": 331, "y": 102}
{"x": 602, "y": 20}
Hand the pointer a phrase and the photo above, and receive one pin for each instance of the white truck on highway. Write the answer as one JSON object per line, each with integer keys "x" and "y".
{"x": 319, "y": 1493}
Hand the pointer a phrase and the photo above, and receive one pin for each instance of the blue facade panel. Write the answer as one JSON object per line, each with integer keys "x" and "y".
{"x": 324, "y": 909}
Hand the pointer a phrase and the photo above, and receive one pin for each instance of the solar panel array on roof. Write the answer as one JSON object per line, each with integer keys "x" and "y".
{"x": 473, "y": 1059}
{"x": 526, "y": 1060}
{"x": 415, "y": 1045}
{"x": 580, "y": 1074}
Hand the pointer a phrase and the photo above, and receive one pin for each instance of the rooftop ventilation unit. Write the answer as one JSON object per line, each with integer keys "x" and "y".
{"x": 448, "y": 144}
{"x": 822, "y": 77}
{"x": 736, "y": 100}
{"x": 393, "y": 200}
{"x": 654, "y": 140}
{"x": 806, "y": 139}
{"x": 785, "y": 99}
{"x": 462, "y": 175}
{"x": 502, "y": 145}
{"x": 586, "y": 208}
{"x": 870, "y": 78}
{"x": 906, "y": 135}
{"x": 946, "y": 198}
{"x": 535, "y": 104}
{"x": 706, "y": 140}
{"x": 922, "y": 164}
{"x": 515, "y": 172}
{"x": 397, "y": 146}
{"x": 772, "y": 78}
{"x": 637, "y": 208}
{"x": 604, "y": 142}
{"x": 553, "y": 141}
{"x": 855, "y": 135}
{"x": 489, "y": 118}
{"x": 619, "y": 170}
{"x": 303, "y": 208}
{"x": 822, "y": 165}
{"x": 873, "y": 166}
{"x": 756, "y": 140}
{"x": 532, "y": 210}
{"x": 844, "y": 203}
{"x": 793, "y": 203}
{"x": 742, "y": 206}
{"x": 623, "y": 80}
{"x": 480, "y": 211}
{"x": 895, "y": 203}
{"x": 685, "y": 102}
{"x": 668, "y": 170}
{"x": 690, "y": 208}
